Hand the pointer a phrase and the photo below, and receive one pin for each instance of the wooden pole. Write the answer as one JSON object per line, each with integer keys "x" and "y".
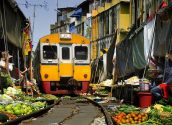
{"x": 2, "y": 91}
{"x": 31, "y": 68}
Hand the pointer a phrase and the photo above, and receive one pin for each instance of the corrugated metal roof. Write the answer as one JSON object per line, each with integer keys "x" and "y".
{"x": 15, "y": 7}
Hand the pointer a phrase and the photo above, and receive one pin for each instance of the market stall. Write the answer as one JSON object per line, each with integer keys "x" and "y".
{"x": 16, "y": 106}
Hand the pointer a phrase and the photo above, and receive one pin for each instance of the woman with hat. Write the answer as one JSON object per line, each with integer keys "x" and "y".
{"x": 5, "y": 67}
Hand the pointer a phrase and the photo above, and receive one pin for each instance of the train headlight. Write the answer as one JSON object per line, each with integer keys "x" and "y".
{"x": 85, "y": 75}
{"x": 46, "y": 76}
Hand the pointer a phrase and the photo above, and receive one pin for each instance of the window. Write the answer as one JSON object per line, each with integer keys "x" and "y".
{"x": 106, "y": 26}
{"x": 49, "y": 52}
{"x": 114, "y": 19}
{"x": 81, "y": 53}
{"x": 65, "y": 53}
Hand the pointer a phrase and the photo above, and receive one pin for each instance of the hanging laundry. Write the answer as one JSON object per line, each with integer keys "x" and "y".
{"x": 149, "y": 38}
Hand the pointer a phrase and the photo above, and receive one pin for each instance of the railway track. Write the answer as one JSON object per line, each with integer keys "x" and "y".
{"x": 73, "y": 111}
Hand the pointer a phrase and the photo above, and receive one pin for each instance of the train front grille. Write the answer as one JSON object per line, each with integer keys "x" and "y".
{"x": 66, "y": 84}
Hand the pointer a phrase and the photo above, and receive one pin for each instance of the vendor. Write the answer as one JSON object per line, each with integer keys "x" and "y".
{"x": 5, "y": 67}
{"x": 160, "y": 91}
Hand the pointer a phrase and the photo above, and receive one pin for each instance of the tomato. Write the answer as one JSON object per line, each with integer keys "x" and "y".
{"x": 123, "y": 121}
{"x": 139, "y": 116}
{"x": 132, "y": 122}
{"x": 135, "y": 118}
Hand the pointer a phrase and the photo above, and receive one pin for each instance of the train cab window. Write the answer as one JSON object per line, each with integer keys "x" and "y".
{"x": 65, "y": 53}
{"x": 81, "y": 52}
{"x": 50, "y": 52}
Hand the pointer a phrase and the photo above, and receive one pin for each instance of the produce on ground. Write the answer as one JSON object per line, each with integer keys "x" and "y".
{"x": 66, "y": 97}
{"x": 21, "y": 108}
{"x": 49, "y": 97}
{"x": 160, "y": 115}
{"x": 102, "y": 92}
{"x": 130, "y": 118}
{"x": 127, "y": 109}
{"x": 155, "y": 115}
{"x": 12, "y": 91}
{"x": 14, "y": 103}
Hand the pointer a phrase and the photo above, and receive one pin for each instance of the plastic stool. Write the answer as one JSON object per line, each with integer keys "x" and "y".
{"x": 164, "y": 89}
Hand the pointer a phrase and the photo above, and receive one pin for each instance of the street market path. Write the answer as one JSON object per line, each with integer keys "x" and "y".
{"x": 68, "y": 112}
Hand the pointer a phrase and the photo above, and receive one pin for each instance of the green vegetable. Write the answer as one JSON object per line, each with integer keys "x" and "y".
{"x": 49, "y": 97}
{"x": 156, "y": 116}
{"x": 5, "y": 79}
{"x": 128, "y": 108}
{"x": 167, "y": 109}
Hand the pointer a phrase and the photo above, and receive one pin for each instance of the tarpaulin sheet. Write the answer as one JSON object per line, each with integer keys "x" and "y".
{"x": 77, "y": 13}
{"x": 72, "y": 28}
{"x": 139, "y": 61}
{"x": 163, "y": 32}
{"x": 124, "y": 58}
{"x": 130, "y": 54}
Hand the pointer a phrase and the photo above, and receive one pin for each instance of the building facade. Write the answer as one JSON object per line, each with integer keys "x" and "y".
{"x": 63, "y": 20}
{"x": 97, "y": 20}
{"x": 144, "y": 10}
{"x": 109, "y": 16}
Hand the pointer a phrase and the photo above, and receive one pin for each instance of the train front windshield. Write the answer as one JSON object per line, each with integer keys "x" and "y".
{"x": 49, "y": 52}
{"x": 81, "y": 53}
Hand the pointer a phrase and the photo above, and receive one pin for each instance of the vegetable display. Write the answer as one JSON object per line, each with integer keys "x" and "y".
{"x": 127, "y": 109}
{"x": 131, "y": 118}
{"x": 14, "y": 103}
{"x": 155, "y": 115}
{"x": 21, "y": 108}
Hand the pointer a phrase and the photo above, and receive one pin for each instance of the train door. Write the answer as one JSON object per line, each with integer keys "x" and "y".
{"x": 49, "y": 62}
{"x": 65, "y": 60}
{"x": 82, "y": 62}
{"x": 82, "y": 69}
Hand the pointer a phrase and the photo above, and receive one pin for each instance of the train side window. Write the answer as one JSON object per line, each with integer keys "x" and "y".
{"x": 65, "y": 53}
{"x": 50, "y": 52}
{"x": 81, "y": 52}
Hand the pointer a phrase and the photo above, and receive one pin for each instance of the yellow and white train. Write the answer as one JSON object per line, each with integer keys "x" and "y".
{"x": 62, "y": 63}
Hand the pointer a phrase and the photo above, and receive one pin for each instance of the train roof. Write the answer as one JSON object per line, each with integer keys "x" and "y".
{"x": 60, "y": 38}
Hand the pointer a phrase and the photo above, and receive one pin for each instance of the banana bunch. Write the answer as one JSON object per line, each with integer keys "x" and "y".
{"x": 159, "y": 107}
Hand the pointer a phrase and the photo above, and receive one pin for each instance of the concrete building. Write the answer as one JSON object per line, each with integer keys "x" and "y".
{"x": 63, "y": 20}
{"x": 108, "y": 16}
